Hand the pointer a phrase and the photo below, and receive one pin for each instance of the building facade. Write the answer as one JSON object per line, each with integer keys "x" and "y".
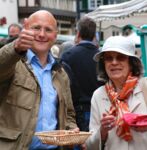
{"x": 8, "y": 15}
{"x": 86, "y": 6}
{"x": 8, "y": 7}
{"x": 63, "y": 10}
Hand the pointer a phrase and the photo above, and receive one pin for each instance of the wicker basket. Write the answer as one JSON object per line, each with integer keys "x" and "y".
{"x": 62, "y": 137}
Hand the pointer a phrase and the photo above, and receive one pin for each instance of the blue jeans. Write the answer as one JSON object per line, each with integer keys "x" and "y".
{"x": 77, "y": 147}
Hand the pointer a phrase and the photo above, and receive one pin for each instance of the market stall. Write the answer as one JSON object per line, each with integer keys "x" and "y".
{"x": 121, "y": 11}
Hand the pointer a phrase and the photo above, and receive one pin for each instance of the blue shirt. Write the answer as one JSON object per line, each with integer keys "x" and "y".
{"x": 47, "y": 116}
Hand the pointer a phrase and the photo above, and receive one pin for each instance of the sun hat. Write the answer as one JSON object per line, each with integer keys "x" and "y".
{"x": 118, "y": 44}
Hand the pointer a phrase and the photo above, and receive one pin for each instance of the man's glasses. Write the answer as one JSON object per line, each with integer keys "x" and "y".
{"x": 38, "y": 29}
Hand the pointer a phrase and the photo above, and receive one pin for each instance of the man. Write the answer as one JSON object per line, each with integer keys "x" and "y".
{"x": 78, "y": 62}
{"x": 34, "y": 89}
{"x": 13, "y": 32}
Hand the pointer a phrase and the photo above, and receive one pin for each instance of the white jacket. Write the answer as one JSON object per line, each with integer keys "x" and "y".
{"x": 99, "y": 104}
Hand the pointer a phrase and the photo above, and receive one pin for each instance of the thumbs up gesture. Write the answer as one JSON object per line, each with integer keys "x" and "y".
{"x": 25, "y": 38}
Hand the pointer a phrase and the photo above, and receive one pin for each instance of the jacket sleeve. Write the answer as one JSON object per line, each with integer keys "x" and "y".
{"x": 66, "y": 112}
{"x": 71, "y": 121}
{"x": 94, "y": 141}
{"x": 8, "y": 60}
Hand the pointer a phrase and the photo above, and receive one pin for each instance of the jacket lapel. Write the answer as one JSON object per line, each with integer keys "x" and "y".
{"x": 134, "y": 105}
{"x": 106, "y": 102}
{"x": 135, "y": 102}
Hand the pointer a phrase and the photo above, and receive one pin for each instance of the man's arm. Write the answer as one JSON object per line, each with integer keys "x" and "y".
{"x": 11, "y": 53}
{"x": 8, "y": 60}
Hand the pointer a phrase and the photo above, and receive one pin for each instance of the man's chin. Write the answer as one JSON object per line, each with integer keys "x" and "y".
{"x": 40, "y": 50}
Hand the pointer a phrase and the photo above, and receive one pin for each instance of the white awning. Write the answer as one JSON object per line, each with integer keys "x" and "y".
{"x": 117, "y": 11}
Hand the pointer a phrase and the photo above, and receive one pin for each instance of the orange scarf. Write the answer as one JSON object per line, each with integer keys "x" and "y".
{"x": 120, "y": 106}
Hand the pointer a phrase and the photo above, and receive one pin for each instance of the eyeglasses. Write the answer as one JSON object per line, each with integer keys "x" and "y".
{"x": 119, "y": 57}
{"x": 38, "y": 29}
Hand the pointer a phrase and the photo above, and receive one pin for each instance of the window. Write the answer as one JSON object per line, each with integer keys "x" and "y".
{"x": 93, "y": 4}
{"x": 22, "y": 3}
{"x": 37, "y": 2}
{"x": 114, "y": 33}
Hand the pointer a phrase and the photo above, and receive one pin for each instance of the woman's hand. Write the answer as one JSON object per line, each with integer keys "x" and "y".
{"x": 107, "y": 123}
{"x": 139, "y": 129}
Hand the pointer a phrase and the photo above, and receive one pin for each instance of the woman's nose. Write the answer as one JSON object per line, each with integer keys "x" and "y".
{"x": 115, "y": 60}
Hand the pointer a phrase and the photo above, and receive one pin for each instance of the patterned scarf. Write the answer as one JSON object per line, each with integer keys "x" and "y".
{"x": 120, "y": 106}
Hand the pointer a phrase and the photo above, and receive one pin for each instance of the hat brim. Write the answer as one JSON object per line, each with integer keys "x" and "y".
{"x": 98, "y": 55}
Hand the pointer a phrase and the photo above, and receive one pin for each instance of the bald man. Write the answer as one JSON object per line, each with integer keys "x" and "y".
{"x": 34, "y": 89}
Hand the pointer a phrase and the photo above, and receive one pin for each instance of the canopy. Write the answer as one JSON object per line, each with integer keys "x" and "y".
{"x": 117, "y": 11}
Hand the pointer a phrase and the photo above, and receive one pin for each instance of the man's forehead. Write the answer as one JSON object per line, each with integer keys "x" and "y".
{"x": 40, "y": 15}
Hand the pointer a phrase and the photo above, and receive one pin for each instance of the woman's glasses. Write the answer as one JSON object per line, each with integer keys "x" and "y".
{"x": 117, "y": 57}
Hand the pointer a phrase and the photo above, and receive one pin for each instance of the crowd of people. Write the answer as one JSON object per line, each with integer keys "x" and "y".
{"x": 78, "y": 88}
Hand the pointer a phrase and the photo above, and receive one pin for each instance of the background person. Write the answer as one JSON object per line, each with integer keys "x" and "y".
{"x": 78, "y": 62}
{"x": 55, "y": 51}
{"x": 34, "y": 89}
{"x": 58, "y": 49}
{"x": 3, "y": 41}
{"x": 65, "y": 46}
{"x": 14, "y": 30}
{"x": 122, "y": 72}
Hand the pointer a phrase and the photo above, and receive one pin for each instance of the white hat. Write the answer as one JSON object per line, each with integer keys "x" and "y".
{"x": 118, "y": 44}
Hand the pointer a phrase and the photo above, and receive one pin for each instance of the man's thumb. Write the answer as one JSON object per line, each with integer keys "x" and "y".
{"x": 26, "y": 24}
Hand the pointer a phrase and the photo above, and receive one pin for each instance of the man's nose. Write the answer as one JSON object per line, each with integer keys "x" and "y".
{"x": 42, "y": 32}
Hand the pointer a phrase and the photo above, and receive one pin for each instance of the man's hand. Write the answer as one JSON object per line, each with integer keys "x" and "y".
{"x": 76, "y": 130}
{"x": 25, "y": 39}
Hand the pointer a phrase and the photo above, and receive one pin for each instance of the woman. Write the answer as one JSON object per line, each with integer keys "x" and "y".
{"x": 121, "y": 70}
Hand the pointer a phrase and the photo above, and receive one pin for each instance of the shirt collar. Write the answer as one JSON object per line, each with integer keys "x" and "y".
{"x": 86, "y": 41}
{"x": 32, "y": 57}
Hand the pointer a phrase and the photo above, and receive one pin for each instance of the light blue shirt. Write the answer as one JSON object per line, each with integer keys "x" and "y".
{"x": 47, "y": 117}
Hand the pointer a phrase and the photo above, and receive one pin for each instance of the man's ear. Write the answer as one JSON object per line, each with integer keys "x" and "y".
{"x": 78, "y": 35}
{"x": 26, "y": 23}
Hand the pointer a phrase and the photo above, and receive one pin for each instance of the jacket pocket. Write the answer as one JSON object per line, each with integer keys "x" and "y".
{"x": 25, "y": 82}
{"x": 9, "y": 138}
{"x": 22, "y": 92}
{"x": 9, "y": 134}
